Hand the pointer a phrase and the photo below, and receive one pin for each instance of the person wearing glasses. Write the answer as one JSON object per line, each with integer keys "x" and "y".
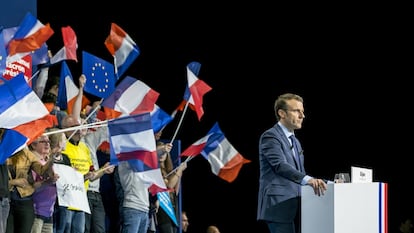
{"x": 21, "y": 185}
{"x": 45, "y": 194}
{"x": 282, "y": 171}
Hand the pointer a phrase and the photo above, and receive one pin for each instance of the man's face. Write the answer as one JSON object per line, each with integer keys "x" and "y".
{"x": 75, "y": 135}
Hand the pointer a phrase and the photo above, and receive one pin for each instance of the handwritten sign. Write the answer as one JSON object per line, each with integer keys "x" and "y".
{"x": 70, "y": 188}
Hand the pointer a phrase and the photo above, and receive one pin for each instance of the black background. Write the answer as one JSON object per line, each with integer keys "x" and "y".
{"x": 349, "y": 63}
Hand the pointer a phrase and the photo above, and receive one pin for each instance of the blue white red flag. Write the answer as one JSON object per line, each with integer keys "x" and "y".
{"x": 68, "y": 91}
{"x": 67, "y": 88}
{"x": 122, "y": 47}
{"x": 154, "y": 179}
{"x": 195, "y": 90}
{"x": 159, "y": 118}
{"x": 224, "y": 159}
{"x": 34, "y": 129}
{"x": 11, "y": 142}
{"x": 130, "y": 97}
{"x": 132, "y": 137}
{"x": 30, "y": 36}
{"x": 100, "y": 77}
{"x": 19, "y": 104}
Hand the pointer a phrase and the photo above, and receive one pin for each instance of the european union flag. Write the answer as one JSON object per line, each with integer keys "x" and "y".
{"x": 100, "y": 75}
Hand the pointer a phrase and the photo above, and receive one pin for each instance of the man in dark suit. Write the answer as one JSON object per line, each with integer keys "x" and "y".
{"x": 282, "y": 171}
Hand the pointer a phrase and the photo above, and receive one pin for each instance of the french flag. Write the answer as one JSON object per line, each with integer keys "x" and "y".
{"x": 153, "y": 178}
{"x": 70, "y": 46}
{"x": 19, "y": 104}
{"x": 68, "y": 91}
{"x": 30, "y": 36}
{"x": 11, "y": 142}
{"x": 122, "y": 47}
{"x": 131, "y": 138}
{"x": 196, "y": 90}
{"x": 130, "y": 97}
{"x": 159, "y": 118}
{"x": 36, "y": 128}
{"x": 224, "y": 159}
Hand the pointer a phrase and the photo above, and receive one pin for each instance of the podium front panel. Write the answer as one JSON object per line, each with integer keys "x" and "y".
{"x": 346, "y": 208}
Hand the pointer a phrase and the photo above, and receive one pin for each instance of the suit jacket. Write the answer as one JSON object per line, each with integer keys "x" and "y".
{"x": 279, "y": 182}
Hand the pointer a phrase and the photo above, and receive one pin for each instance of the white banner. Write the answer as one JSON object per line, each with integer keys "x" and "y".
{"x": 71, "y": 188}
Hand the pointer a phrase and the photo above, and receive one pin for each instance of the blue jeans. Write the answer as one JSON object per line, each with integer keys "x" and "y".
{"x": 4, "y": 212}
{"x": 95, "y": 222}
{"x": 69, "y": 221}
{"x": 134, "y": 220}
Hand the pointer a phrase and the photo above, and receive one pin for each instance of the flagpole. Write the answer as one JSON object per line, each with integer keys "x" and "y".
{"x": 84, "y": 126}
{"x": 181, "y": 120}
{"x": 185, "y": 161}
{"x": 34, "y": 75}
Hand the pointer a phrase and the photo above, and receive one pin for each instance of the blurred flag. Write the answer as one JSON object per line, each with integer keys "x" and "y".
{"x": 40, "y": 56}
{"x": 130, "y": 97}
{"x": 68, "y": 91}
{"x": 132, "y": 137}
{"x": 195, "y": 90}
{"x": 122, "y": 47}
{"x": 100, "y": 78}
{"x": 3, "y": 53}
{"x": 23, "y": 65}
{"x": 40, "y": 82}
{"x": 70, "y": 46}
{"x": 34, "y": 129}
{"x": 19, "y": 104}
{"x": 224, "y": 159}
{"x": 11, "y": 142}
{"x": 159, "y": 118}
{"x": 30, "y": 35}
{"x": 166, "y": 204}
{"x": 154, "y": 180}
{"x": 8, "y": 34}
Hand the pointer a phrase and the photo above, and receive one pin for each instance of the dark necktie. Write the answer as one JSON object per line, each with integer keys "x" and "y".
{"x": 296, "y": 150}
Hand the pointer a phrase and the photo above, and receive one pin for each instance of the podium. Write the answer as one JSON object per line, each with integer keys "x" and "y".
{"x": 346, "y": 208}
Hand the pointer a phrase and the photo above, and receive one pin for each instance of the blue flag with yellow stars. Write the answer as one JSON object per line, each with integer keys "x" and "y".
{"x": 100, "y": 75}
